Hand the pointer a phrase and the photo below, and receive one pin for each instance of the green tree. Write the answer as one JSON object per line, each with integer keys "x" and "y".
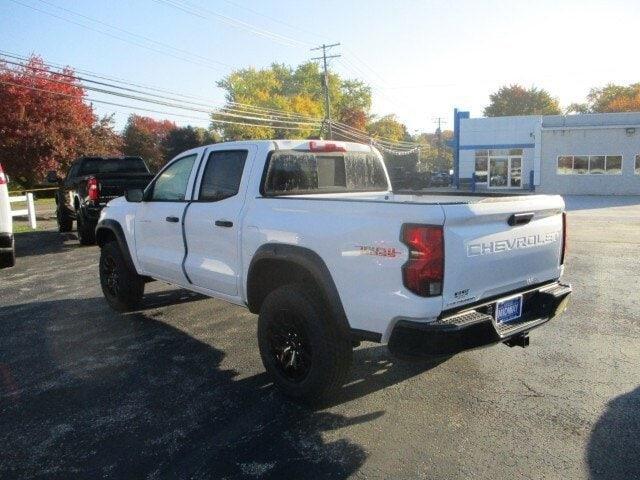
{"x": 184, "y": 138}
{"x": 388, "y": 128}
{"x": 517, "y": 100}
{"x": 435, "y": 156}
{"x": 296, "y": 91}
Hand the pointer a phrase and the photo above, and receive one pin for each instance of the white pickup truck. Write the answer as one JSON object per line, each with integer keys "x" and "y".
{"x": 310, "y": 236}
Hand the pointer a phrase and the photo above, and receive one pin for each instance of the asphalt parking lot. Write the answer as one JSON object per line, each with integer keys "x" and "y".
{"x": 177, "y": 389}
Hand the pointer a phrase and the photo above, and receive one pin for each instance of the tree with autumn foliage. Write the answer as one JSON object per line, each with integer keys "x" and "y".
{"x": 388, "y": 128}
{"x": 252, "y": 94}
{"x": 517, "y": 100}
{"x": 146, "y": 137}
{"x": 45, "y": 122}
{"x": 610, "y": 98}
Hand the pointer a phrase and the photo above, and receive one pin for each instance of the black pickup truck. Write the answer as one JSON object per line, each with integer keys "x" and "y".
{"x": 90, "y": 183}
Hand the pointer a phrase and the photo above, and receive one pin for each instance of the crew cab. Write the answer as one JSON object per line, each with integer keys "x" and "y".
{"x": 89, "y": 184}
{"x": 310, "y": 236}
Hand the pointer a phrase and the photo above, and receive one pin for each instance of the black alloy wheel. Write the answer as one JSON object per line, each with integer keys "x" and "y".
{"x": 290, "y": 347}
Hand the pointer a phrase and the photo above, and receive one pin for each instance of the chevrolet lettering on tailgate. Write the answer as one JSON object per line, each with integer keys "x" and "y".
{"x": 506, "y": 245}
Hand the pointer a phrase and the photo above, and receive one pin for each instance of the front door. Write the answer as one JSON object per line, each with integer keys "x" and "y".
{"x": 213, "y": 221}
{"x": 505, "y": 172}
{"x": 158, "y": 222}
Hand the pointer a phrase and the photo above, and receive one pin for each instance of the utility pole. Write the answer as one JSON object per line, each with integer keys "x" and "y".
{"x": 439, "y": 121}
{"x": 324, "y": 58}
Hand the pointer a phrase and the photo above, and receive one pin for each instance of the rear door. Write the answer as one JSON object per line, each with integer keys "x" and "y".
{"x": 499, "y": 245}
{"x": 213, "y": 220}
{"x": 158, "y": 221}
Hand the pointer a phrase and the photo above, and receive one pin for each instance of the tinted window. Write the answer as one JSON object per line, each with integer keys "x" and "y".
{"x": 113, "y": 165}
{"x": 305, "y": 172}
{"x": 565, "y": 165}
{"x": 596, "y": 164}
{"x": 580, "y": 165}
{"x": 614, "y": 165}
{"x": 222, "y": 175}
{"x": 171, "y": 185}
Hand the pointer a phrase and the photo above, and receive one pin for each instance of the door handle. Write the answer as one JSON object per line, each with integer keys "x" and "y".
{"x": 223, "y": 223}
{"x": 172, "y": 219}
{"x": 519, "y": 219}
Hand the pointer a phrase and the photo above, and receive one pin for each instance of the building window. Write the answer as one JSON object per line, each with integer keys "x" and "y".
{"x": 614, "y": 164}
{"x": 590, "y": 165}
{"x": 580, "y": 164}
{"x": 637, "y": 164}
{"x": 596, "y": 165}
{"x": 565, "y": 165}
{"x": 482, "y": 161}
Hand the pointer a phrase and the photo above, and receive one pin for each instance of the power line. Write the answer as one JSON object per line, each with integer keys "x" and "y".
{"x": 137, "y": 108}
{"x": 142, "y": 108}
{"x": 246, "y": 112}
{"x": 109, "y": 34}
{"x": 205, "y": 13}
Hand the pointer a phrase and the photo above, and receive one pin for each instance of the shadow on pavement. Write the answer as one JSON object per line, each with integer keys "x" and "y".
{"x": 614, "y": 445}
{"x": 86, "y": 392}
{"x": 43, "y": 242}
{"x": 592, "y": 202}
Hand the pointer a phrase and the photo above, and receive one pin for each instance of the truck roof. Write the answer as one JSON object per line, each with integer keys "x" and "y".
{"x": 301, "y": 144}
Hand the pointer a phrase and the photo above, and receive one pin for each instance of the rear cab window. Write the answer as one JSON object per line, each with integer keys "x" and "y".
{"x": 113, "y": 165}
{"x": 290, "y": 172}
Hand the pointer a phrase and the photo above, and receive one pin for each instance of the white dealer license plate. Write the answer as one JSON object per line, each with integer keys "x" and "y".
{"x": 509, "y": 309}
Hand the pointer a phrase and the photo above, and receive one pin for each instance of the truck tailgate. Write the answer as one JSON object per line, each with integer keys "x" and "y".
{"x": 499, "y": 245}
{"x": 113, "y": 185}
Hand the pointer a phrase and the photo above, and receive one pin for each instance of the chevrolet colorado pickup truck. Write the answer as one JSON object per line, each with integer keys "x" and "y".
{"x": 90, "y": 183}
{"x": 310, "y": 236}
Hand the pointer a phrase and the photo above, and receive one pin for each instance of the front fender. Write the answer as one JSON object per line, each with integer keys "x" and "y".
{"x": 108, "y": 229}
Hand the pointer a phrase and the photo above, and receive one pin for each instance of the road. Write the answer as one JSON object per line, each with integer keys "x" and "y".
{"x": 177, "y": 389}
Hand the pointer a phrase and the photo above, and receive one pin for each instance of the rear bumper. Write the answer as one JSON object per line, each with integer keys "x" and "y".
{"x": 92, "y": 212}
{"x": 475, "y": 327}
{"x": 6, "y": 242}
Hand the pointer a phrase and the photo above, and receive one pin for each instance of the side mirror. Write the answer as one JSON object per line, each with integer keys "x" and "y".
{"x": 134, "y": 195}
{"x": 52, "y": 177}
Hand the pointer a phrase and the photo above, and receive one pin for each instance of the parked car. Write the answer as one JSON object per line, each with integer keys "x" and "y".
{"x": 90, "y": 183}
{"x": 7, "y": 242}
{"x": 310, "y": 236}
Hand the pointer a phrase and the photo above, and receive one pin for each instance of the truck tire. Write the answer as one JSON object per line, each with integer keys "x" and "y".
{"x": 8, "y": 259}
{"x": 122, "y": 288}
{"x": 301, "y": 346}
{"x": 86, "y": 230}
{"x": 65, "y": 222}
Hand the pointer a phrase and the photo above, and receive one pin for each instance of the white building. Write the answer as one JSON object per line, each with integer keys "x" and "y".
{"x": 593, "y": 154}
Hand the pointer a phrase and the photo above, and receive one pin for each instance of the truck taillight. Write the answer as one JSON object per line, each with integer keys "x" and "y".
{"x": 315, "y": 146}
{"x": 423, "y": 273}
{"x": 93, "y": 189}
{"x": 564, "y": 238}
{"x": 3, "y": 178}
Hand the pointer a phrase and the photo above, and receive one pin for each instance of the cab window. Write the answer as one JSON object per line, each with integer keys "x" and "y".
{"x": 171, "y": 184}
{"x": 222, "y": 175}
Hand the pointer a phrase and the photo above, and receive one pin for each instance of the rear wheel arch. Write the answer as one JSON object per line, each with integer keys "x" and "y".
{"x": 275, "y": 265}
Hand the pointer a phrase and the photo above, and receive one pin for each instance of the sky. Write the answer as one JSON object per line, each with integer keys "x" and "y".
{"x": 421, "y": 58}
